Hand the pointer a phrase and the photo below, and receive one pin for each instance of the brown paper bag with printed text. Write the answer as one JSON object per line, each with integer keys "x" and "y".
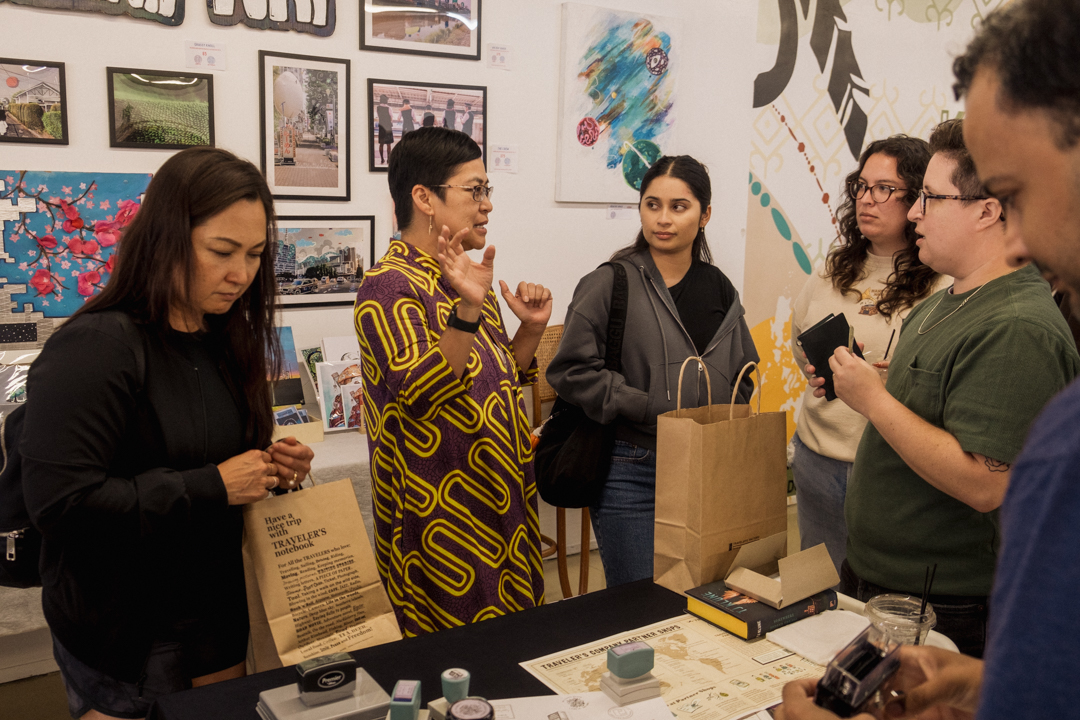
{"x": 313, "y": 587}
{"x": 721, "y": 482}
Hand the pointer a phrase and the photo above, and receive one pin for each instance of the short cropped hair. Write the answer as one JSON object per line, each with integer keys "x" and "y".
{"x": 428, "y": 156}
{"x": 1034, "y": 47}
{"x": 948, "y": 139}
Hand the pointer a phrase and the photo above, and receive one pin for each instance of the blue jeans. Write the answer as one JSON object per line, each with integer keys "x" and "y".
{"x": 623, "y": 518}
{"x": 820, "y": 486}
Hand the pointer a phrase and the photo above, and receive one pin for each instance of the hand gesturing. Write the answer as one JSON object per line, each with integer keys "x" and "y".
{"x": 471, "y": 280}
{"x": 531, "y": 303}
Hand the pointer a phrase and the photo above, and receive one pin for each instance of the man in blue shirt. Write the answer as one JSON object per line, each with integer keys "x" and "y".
{"x": 1021, "y": 79}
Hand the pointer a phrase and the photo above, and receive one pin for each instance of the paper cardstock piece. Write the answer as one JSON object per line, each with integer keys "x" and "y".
{"x": 498, "y": 56}
{"x": 211, "y": 56}
{"x": 504, "y": 158}
{"x": 801, "y": 575}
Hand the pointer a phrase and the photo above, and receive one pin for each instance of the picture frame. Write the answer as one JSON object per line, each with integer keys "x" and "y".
{"x": 39, "y": 82}
{"x": 408, "y": 105}
{"x": 160, "y": 109}
{"x": 304, "y": 118}
{"x": 414, "y": 27}
{"x": 321, "y": 258}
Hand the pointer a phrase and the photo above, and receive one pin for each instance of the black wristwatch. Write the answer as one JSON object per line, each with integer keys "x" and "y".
{"x": 453, "y": 321}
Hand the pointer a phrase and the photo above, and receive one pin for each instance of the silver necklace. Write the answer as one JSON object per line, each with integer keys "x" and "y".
{"x": 958, "y": 309}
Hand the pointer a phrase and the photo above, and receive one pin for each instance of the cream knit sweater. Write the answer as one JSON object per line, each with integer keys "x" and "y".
{"x": 832, "y": 428}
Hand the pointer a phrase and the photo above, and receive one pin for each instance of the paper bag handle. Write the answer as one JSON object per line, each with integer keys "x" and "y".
{"x": 708, "y": 383}
{"x": 738, "y": 382}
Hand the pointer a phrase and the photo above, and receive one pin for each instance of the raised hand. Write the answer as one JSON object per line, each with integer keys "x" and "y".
{"x": 531, "y": 303}
{"x": 471, "y": 280}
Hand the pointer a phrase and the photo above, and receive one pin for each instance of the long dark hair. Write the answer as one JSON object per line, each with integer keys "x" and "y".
{"x": 911, "y": 280}
{"x": 696, "y": 177}
{"x": 154, "y": 270}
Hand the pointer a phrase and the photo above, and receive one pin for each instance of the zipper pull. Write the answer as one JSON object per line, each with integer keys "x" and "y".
{"x": 11, "y": 538}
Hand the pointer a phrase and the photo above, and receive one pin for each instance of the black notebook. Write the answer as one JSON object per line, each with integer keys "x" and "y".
{"x": 820, "y": 342}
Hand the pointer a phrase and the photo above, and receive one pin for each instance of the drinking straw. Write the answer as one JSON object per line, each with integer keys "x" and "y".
{"x": 887, "y": 347}
{"x": 928, "y": 582}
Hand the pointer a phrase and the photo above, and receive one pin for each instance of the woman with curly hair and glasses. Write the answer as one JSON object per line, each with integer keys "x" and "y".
{"x": 874, "y": 276}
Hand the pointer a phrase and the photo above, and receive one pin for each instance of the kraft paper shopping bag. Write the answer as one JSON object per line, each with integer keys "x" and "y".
{"x": 313, "y": 586}
{"x": 721, "y": 482}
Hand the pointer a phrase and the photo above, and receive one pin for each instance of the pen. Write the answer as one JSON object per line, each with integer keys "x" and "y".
{"x": 850, "y": 339}
{"x": 887, "y": 347}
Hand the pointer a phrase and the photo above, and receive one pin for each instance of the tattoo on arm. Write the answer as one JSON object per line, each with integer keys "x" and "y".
{"x": 997, "y": 465}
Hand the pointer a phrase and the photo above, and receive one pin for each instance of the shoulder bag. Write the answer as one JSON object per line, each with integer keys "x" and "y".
{"x": 573, "y": 456}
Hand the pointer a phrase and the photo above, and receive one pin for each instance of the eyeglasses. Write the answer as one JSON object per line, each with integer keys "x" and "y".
{"x": 479, "y": 192}
{"x": 924, "y": 196}
{"x": 880, "y": 193}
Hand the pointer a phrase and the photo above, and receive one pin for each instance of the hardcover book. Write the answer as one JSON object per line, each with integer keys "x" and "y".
{"x": 746, "y": 617}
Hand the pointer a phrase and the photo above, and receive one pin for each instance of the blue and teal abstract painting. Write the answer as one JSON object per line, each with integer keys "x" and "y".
{"x": 60, "y": 231}
{"x": 618, "y": 101}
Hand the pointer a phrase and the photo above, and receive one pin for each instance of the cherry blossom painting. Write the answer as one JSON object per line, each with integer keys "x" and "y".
{"x": 60, "y": 231}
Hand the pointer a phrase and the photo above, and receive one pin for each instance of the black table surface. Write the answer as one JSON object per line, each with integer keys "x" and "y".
{"x": 489, "y": 650}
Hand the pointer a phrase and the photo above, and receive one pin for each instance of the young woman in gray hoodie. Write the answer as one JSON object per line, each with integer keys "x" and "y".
{"x": 680, "y": 305}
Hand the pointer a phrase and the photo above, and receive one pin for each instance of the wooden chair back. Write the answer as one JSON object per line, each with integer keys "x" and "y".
{"x": 542, "y": 392}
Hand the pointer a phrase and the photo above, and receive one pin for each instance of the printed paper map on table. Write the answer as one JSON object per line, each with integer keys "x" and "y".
{"x": 705, "y": 673}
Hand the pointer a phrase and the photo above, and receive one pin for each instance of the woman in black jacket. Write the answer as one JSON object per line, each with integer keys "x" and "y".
{"x": 149, "y": 428}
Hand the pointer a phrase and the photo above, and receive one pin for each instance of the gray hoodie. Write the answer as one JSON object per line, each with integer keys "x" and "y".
{"x": 654, "y": 346}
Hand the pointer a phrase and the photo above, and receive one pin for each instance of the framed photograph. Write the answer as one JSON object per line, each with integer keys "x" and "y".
{"x": 397, "y": 107}
{"x": 33, "y": 102}
{"x": 443, "y": 28}
{"x": 160, "y": 109}
{"x": 304, "y": 126}
{"x": 320, "y": 260}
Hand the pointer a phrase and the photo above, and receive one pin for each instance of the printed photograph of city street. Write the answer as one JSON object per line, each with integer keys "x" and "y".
{"x": 305, "y": 131}
{"x": 396, "y": 108}
{"x": 444, "y": 28}
{"x": 320, "y": 260}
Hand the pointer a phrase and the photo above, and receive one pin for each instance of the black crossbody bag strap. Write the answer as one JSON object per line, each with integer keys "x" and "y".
{"x": 616, "y": 325}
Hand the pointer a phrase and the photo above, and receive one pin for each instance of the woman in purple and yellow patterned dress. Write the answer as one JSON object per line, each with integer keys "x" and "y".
{"x": 456, "y": 529}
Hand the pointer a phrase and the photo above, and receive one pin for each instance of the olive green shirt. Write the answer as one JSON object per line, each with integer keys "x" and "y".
{"x": 982, "y": 373}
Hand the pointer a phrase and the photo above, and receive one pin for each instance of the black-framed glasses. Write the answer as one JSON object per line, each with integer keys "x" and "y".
{"x": 924, "y": 196}
{"x": 880, "y": 193}
{"x": 479, "y": 192}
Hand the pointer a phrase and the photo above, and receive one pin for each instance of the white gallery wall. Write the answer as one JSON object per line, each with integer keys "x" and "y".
{"x": 538, "y": 239}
